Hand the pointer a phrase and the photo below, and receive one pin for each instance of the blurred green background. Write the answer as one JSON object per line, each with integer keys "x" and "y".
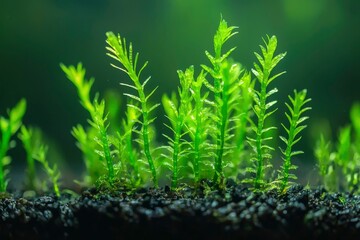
{"x": 320, "y": 36}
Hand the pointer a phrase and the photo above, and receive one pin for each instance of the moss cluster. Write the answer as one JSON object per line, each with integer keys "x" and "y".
{"x": 218, "y": 121}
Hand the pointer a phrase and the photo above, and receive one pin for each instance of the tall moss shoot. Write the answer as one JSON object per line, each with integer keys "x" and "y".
{"x": 122, "y": 53}
{"x": 224, "y": 77}
{"x": 263, "y": 110}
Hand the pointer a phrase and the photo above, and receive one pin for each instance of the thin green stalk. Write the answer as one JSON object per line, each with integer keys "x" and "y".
{"x": 198, "y": 125}
{"x": 128, "y": 125}
{"x": 100, "y": 124}
{"x": 259, "y": 139}
{"x": 118, "y": 50}
{"x": 176, "y": 151}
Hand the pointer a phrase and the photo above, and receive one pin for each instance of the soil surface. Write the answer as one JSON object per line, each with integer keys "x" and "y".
{"x": 234, "y": 213}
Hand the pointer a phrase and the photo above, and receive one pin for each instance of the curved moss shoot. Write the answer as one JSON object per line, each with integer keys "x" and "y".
{"x": 295, "y": 118}
{"x": 118, "y": 50}
{"x": 96, "y": 110}
{"x": 8, "y": 127}
{"x": 221, "y": 97}
{"x": 39, "y": 154}
{"x": 262, "y": 111}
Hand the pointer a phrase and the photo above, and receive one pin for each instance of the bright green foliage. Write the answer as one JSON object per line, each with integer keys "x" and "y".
{"x": 262, "y": 110}
{"x": 119, "y": 51}
{"x": 326, "y": 164}
{"x": 8, "y": 127}
{"x": 343, "y": 153}
{"x": 96, "y": 111}
{"x": 178, "y": 113}
{"x": 355, "y": 120}
{"x": 35, "y": 150}
{"x": 230, "y": 73}
{"x": 99, "y": 122}
{"x": 242, "y": 115}
{"x": 131, "y": 155}
{"x": 295, "y": 118}
{"x": 86, "y": 143}
{"x": 208, "y": 127}
{"x": 346, "y": 157}
{"x": 27, "y": 137}
{"x": 128, "y": 166}
{"x": 225, "y": 75}
{"x": 199, "y": 128}
{"x": 39, "y": 154}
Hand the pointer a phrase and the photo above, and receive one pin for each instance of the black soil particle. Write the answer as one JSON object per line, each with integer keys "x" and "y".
{"x": 234, "y": 213}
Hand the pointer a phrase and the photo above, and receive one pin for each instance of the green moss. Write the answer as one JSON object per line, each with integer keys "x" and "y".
{"x": 221, "y": 122}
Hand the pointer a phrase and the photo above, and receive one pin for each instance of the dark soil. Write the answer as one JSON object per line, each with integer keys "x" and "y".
{"x": 187, "y": 214}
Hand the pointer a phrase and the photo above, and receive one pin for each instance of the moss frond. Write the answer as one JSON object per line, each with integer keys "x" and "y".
{"x": 96, "y": 109}
{"x": 177, "y": 113}
{"x": 295, "y": 117}
{"x": 263, "y": 109}
{"x": 118, "y": 50}
{"x": 223, "y": 74}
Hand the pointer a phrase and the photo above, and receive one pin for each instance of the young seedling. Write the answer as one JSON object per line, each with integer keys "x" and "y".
{"x": 120, "y": 52}
{"x": 27, "y": 137}
{"x": 9, "y": 126}
{"x": 295, "y": 118}
{"x": 96, "y": 110}
{"x": 225, "y": 76}
{"x": 262, "y": 111}
{"x": 39, "y": 154}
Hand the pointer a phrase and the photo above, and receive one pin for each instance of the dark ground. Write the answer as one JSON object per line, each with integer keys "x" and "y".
{"x": 187, "y": 214}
